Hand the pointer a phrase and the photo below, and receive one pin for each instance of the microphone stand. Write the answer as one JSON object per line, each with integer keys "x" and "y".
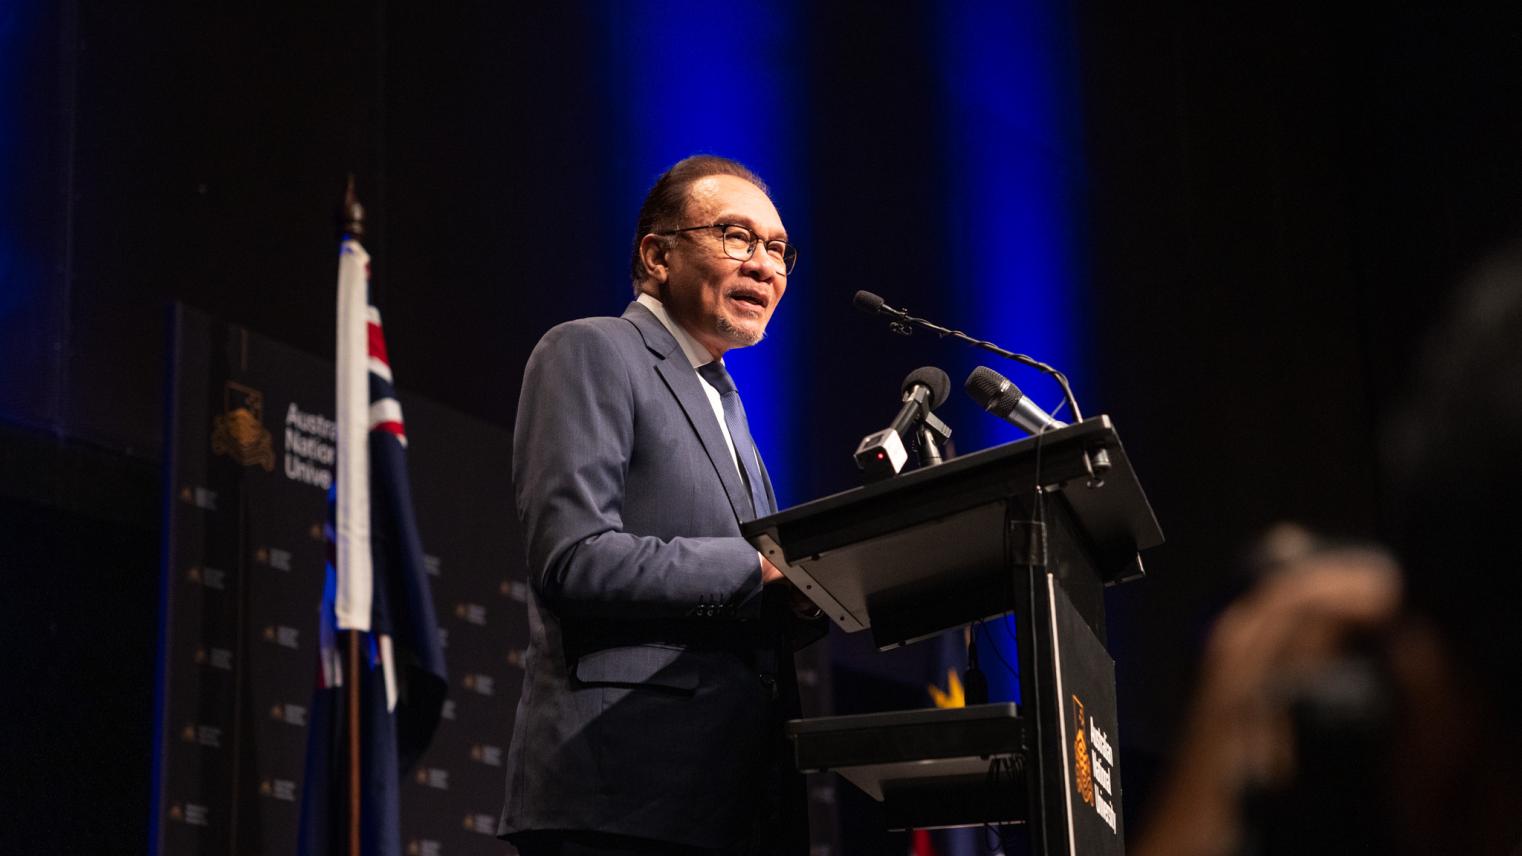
{"x": 901, "y": 326}
{"x": 932, "y": 433}
{"x": 1098, "y": 463}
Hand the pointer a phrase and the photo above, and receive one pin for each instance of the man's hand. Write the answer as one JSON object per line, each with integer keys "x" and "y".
{"x": 800, "y": 604}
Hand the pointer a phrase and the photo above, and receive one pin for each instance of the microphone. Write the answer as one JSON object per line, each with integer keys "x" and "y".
{"x": 872, "y": 304}
{"x": 884, "y": 453}
{"x": 994, "y": 393}
{"x": 925, "y": 389}
{"x": 868, "y": 302}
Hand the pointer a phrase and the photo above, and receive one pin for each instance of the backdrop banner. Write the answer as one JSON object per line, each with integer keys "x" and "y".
{"x": 250, "y": 458}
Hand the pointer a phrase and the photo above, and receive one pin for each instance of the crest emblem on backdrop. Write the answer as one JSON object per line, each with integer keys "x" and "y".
{"x": 239, "y": 432}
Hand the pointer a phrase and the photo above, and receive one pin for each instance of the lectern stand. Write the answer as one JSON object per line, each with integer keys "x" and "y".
{"x": 1033, "y": 527}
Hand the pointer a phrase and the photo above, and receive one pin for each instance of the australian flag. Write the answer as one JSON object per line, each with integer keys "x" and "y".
{"x": 376, "y": 587}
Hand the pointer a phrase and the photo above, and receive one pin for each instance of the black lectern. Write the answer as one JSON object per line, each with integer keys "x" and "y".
{"x": 1037, "y": 527}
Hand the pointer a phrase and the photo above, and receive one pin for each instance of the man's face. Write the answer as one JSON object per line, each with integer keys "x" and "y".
{"x": 723, "y": 302}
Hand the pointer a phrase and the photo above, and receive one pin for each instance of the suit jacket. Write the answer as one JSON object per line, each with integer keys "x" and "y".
{"x": 650, "y": 702}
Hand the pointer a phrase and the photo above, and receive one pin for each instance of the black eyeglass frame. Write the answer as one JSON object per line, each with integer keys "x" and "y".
{"x": 789, "y": 249}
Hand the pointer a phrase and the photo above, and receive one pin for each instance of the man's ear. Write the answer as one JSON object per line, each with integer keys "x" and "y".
{"x": 653, "y": 250}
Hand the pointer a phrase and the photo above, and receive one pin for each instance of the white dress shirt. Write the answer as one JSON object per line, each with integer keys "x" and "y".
{"x": 699, "y": 356}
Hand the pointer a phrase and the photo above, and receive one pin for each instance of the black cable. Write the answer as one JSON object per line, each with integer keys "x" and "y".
{"x": 1001, "y": 840}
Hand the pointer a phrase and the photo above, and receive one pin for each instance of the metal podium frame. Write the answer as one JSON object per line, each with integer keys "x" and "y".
{"x": 1032, "y": 527}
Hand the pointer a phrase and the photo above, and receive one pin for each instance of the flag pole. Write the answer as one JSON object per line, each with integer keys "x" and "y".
{"x": 351, "y": 223}
{"x": 354, "y": 743}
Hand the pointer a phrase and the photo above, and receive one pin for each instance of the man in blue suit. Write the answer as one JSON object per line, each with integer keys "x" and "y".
{"x": 659, "y": 666}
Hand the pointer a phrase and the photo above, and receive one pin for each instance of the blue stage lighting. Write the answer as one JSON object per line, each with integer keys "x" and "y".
{"x": 689, "y": 78}
{"x": 1015, "y": 175}
{"x": 15, "y": 30}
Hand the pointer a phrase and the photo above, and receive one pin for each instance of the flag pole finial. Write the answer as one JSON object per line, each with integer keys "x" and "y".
{"x": 351, "y": 216}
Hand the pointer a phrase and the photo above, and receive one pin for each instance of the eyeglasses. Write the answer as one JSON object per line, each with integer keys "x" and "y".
{"x": 740, "y": 244}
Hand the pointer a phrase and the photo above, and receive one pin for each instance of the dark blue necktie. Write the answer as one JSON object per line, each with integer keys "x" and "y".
{"x": 739, "y": 434}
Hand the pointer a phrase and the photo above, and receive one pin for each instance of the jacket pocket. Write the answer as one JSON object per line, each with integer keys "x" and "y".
{"x": 640, "y": 665}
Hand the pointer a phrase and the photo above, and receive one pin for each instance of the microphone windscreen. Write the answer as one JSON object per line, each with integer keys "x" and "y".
{"x": 934, "y": 379}
{"x": 987, "y": 387}
{"x": 867, "y": 302}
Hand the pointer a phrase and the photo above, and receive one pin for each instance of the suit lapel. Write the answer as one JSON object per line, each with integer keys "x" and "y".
{"x": 683, "y": 383}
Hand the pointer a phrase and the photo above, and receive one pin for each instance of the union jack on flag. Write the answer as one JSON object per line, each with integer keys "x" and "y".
{"x": 375, "y": 586}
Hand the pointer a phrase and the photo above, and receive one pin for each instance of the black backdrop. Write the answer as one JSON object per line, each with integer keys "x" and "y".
{"x": 1280, "y": 199}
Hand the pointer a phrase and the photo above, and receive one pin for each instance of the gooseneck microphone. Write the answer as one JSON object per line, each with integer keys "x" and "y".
{"x": 902, "y": 322}
{"x": 868, "y": 302}
{"x": 996, "y": 394}
{"x": 884, "y": 453}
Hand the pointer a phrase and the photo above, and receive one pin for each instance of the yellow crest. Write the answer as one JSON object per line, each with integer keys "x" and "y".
{"x": 239, "y": 432}
{"x": 1083, "y": 766}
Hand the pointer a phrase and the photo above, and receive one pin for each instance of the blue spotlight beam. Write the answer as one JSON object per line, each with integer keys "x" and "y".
{"x": 17, "y": 267}
{"x": 685, "y": 78}
{"x": 35, "y": 112}
{"x": 1014, "y": 180}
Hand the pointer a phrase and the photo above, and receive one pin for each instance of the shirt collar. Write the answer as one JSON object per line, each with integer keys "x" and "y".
{"x": 696, "y": 353}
